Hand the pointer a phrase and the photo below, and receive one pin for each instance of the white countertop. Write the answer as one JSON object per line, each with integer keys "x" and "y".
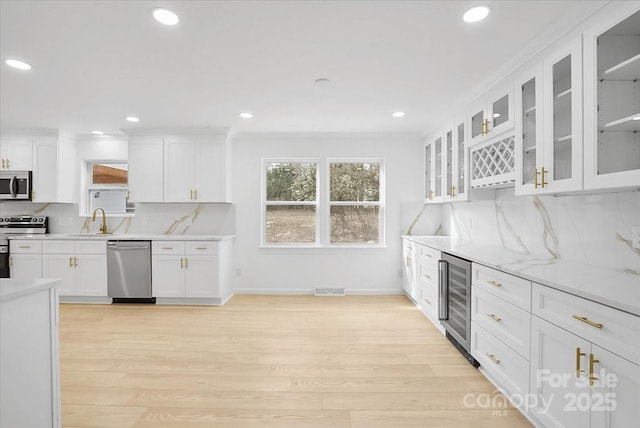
{"x": 13, "y": 288}
{"x": 127, "y": 237}
{"x": 617, "y": 288}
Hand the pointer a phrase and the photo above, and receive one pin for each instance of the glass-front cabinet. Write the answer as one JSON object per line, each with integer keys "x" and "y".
{"x": 456, "y": 162}
{"x": 434, "y": 169}
{"x": 492, "y": 114}
{"x": 549, "y": 125}
{"x": 612, "y": 100}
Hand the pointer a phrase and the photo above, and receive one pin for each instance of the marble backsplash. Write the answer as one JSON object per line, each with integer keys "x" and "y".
{"x": 187, "y": 219}
{"x": 592, "y": 229}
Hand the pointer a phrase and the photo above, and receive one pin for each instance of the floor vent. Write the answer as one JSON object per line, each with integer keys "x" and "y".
{"x": 328, "y": 292}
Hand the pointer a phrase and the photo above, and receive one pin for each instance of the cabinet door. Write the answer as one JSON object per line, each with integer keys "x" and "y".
{"x": 202, "y": 276}
{"x": 434, "y": 154}
{"x": 428, "y": 172}
{"x": 612, "y": 99}
{"x": 25, "y": 266}
{"x": 563, "y": 119}
{"x": 557, "y": 357}
{"x": 500, "y": 108}
{"x": 16, "y": 153}
{"x": 179, "y": 158}
{"x": 529, "y": 130}
{"x": 90, "y": 274}
{"x": 447, "y": 164}
{"x": 60, "y": 266}
{"x": 45, "y": 169}
{"x": 614, "y": 395}
{"x": 460, "y": 162}
{"x": 409, "y": 269}
{"x": 168, "y": 275}
{"x": 146, "y": 172}
{"x": 210, "y": 172}
{"x": 477, "y": 122}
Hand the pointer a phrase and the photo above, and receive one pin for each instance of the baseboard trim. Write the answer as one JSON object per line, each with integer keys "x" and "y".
{"x": 89, "y": 300}
{"x": 309, "y": 291}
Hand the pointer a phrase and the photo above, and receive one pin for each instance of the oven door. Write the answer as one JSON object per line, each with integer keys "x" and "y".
{"x": 15, "y": 185}
{"x": 4, "y": 261}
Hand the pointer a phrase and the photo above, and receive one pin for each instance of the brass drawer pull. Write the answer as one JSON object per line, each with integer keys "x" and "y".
{"x": 167, "y": 248}
{"x": 588, "y": 321}
{"x": 494, "y": 283}
{"x": 186, "y": 262}
{"x": 426, "y": 275}
{"x": 592, "y": 362}
{"x": 495, "y": 318}
{"x": 428, "y": 301}
{"x": 579, "y": 354}
{"x": 70, "y": 262}
{"x": 181, "y": 262}
{"x": 75, "y": 262}
{"x": 24, "y": 246}
{"x": 201, "y": 248}
{"x": 493, "y": 358}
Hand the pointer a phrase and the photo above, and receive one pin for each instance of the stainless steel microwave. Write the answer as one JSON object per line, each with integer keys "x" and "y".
{"x": 15, "y": 185}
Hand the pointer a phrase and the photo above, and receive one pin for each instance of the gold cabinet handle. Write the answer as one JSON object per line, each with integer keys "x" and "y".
{"x": 201, "y": 248}
{"x": 181, "y": 263}
{"x": 592, "y": 376}
{"x": 494, "y": 283}
{"x": 430, "y": 194}
{"x": 535, "y": 180}
{"x": 494, "y": 317}
{"x": 70, "y": 262}
{"x": 485, "y": 127}
{"x": 75, "y": 262}
{"x": 24, "y": 246}
{"x": 493, "y": 358}
{"x": 428, "y": 301}
{"x": 426, "y": 275}
{"x": 3, "y": 163}
{"x": 8, "y": 163}
{"x": 579, "y": 354}
{"x": 10, "y": 261}
{"x": 186, "y": 262}
{"x": 588, "y": 321}
{"x": 195, "y": 193}
{"x": 167, "y": 248}
{"x": 542, "y": 173}
{"x": 191, "y": 194}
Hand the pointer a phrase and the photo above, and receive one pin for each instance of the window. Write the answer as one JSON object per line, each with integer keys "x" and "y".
{"x": 291, "y": 203}
{"x": 304, "y": 207}
{"x": 107, "y": 187}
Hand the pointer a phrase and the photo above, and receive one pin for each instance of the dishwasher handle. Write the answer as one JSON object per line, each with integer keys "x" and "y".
{"x": 119, "y": 246}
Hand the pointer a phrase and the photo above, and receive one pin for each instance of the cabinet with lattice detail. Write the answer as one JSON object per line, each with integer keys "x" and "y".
{"x": 493, "y": 163}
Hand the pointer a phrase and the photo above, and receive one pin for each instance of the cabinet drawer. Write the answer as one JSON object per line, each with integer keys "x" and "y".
{"x": 91, "y": 247}
{"x": 502, "y": 362}
{"x": 24, "y": 246}
{"x": 427, "y": 272}
{"x": 201, "y": 247}
{"x": 505, "y": 321}
{"x": 167, "y": 247}
{"x": 609, "y": 328}
{"x": 58, "y": 247}
{"x": 508, "y": 287}
{"x": 428, "y": 254}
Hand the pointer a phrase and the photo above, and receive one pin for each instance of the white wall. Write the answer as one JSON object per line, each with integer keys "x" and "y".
{"x": 363, "y": 270}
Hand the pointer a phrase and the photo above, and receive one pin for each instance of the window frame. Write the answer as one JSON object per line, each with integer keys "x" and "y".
{"x": 322, "y": 204}
{"x": 265, "y": 204}
{"x": 88, "y": 186}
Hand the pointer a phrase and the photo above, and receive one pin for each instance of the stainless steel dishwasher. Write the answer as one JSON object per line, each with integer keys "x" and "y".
{"x": 129, "y": 271}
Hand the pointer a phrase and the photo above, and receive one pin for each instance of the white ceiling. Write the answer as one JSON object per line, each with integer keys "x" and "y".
{"x": 95, "y": 62}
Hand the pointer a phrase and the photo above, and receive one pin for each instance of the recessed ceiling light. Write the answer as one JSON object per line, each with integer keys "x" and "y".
{"x": 165, "y": 16}
{"x": 636, "y": 118}
{"x": 398, "y": 114}
{"x": 97, "y": 132}
{"x": 496, "y": 114}
{"x": 476, "y": 13}
{"x": 132, "y": 119}
{"x": 20, "y": 65}
{"x": 246, "y": 115}
{"x": 323, "y": 81}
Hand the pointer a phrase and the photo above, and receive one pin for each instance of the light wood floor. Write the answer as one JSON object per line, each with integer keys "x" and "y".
{"x": 267, "y": 361}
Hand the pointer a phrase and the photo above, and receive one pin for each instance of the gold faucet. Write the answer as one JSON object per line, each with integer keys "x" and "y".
{"x": 103, "y": 227}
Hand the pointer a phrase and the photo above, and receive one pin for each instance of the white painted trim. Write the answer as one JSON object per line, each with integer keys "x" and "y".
{"x": 309, "y": 291}
{"x": 91, "y": 300}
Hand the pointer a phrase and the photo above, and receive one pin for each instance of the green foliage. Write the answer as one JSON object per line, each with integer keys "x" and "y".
{"x": 355, "y": 182}
{"x": 291, "y": 182}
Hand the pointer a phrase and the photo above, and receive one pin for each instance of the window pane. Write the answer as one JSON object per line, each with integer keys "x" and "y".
{"x": 291, "y": 224}
{"x": 109, "y": 174}
{"x": 293, "y": 181}
{"x": 355, "y": 224}
{"x": 355, "y": 182}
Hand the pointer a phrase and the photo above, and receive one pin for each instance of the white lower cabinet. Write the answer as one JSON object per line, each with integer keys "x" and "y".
{"x": 186, "y": 269}
{"x": 82, "y": 266}
{"x": 575, "y": 381}
{"x": 25, "y": 260}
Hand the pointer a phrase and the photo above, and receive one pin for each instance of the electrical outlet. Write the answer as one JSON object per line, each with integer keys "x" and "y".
{"x": 635, "y": 237}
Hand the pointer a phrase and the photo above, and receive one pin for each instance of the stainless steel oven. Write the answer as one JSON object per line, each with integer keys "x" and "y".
{"x": 15, "y": 185}
{"x": 17, "y": 226}
{"x": 454, "y": 309}
{"x": 4, "y": 257}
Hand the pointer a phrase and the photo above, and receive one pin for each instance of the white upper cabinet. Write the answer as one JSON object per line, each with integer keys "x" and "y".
{"x": 612, "y": 99}
{"x": 54, "y": 170}
{"x": 549, "y": 122}
{"x": 192, "y": 166}
{"x": 456, "y": 163}
{"x": 434, "y": 184}
{"x": 492, "y": 114}
{"x": 16, "y": 153}
{"x": 146, "y": 173}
